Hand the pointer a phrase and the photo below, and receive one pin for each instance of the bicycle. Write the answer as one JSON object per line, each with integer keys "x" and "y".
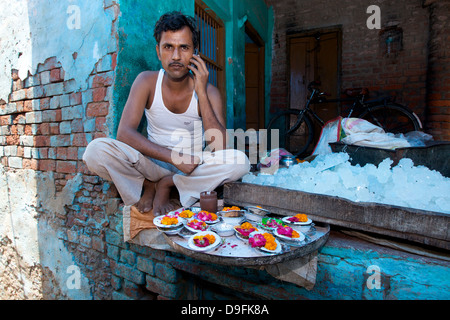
{"x": 297, "y": 129}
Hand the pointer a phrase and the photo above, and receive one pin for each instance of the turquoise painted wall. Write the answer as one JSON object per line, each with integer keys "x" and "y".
{"x": 344, "y": 273}
{"x": 137, "y": 47}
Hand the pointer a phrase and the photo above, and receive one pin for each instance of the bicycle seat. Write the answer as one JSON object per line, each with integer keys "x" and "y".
{"x": 354, "y": 92}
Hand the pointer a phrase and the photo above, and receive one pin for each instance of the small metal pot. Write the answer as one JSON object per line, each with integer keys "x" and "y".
{"x": 287, "y": 161}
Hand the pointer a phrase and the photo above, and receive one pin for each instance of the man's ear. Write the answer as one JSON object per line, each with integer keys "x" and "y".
{"x": 157, "y": 52}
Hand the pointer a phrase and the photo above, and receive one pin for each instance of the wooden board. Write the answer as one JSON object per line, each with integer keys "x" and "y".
{"x": 425, "y": 227}
{"x": 248, "y": 256}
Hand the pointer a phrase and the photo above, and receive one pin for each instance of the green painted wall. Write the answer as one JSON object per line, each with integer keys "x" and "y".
{"x": 137, "y": 47}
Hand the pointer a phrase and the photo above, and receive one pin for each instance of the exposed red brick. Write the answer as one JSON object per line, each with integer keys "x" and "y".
{"x": 32, "y": 164}
{"x": 5, "y": 120}
{"x": 28, "y": 105}
{"x": 56, "y": 75}
{"x": 100, "y": 123}
{"x": 439, "y": 103}
{"x": 99, "y": 135}
{"x": 54, "y": 128}
{"x": 114, "y": 60}
{"x": 28, "y": 130}
{"x": 66, "y": 166}
{"x": 12, "y": 140}
{"x": 42, "y": 141}
{"x": 61, "y": 153}
{"x": 47, "y": 165}
{"x": 75, "y": 98}
{"x": 77, "y": 125}
{"x": 72, "y": 153}
{"x": 14, "y": 74}
{"x": 44, "y": 128}
{"x": 44, "y": 104}
{"x": 20, "y": 151}
{"x": 102, "y": 79}
{"x": 79, "y": 140}
{"x": 98, "y": 94}
{"x": 19, "y": 106}
{"x": 97, "y": 109}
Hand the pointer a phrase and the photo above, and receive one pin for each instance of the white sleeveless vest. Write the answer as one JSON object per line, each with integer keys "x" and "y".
{"x": 180, "y": 132}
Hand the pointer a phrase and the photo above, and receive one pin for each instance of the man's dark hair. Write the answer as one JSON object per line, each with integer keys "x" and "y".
{"x": 174, "y": 21}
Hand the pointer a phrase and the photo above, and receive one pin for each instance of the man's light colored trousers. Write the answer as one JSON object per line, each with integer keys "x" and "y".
{"x": 127, "y": 168}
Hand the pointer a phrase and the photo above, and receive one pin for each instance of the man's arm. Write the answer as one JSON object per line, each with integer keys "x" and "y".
{"x": 211, "y": 106}
{"x": 131, "y": 117}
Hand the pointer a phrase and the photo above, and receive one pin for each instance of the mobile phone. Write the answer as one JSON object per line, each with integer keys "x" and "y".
{"x": 196, "y": 53}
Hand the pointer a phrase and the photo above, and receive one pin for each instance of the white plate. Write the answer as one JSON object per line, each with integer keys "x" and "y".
{"x": 276, "y": 251}
{"x": 157, "y": 222}
{"x": 195, "y": 230}
{"x": 171, "y": 231}
{"x": 210, "y": 247}
{"x": 299, "y": 239}
{"x": 285, "y": 219}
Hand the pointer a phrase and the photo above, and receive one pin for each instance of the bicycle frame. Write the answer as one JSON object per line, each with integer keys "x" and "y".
{"x": 379, "y": 111}
{"x": 314, "y": 98}
{"x": 358, "y": 103}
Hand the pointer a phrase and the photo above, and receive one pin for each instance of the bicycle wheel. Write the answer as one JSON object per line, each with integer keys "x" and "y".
{"x": 392, "y": 117}
{"x": 296, "y": 139}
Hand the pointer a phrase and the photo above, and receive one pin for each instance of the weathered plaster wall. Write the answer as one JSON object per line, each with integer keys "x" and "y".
{"x": 77, "y": 32}
{"x": 55, "y": 86}
{"x": 35, "y": 260}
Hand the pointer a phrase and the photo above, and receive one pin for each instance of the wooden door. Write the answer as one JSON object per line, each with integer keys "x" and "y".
{"x": 314, "y": 57}
{"x": 254, "y": 79}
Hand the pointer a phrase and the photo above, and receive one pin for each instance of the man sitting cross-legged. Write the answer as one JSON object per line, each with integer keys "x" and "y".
{"x": 183, "y": 111}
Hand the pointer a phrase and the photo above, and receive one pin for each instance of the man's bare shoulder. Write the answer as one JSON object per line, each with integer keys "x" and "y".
{"x": 212, "y": 90}
{"x": 147, "y": 77}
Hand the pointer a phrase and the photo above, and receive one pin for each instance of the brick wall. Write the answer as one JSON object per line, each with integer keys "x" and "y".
{"x": 363, "y": 61}
{"x": 45, "y": 126}
{"x": 438, "y": 94}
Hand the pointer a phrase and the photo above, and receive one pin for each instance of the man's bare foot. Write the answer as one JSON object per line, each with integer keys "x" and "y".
{"x": 161, "y": 203}
{"x": 145, "y": 204}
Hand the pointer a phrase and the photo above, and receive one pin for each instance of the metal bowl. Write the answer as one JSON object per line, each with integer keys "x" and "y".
{"x": 223, "y": 229}
{"x": 232, "y": 217}
{"x": 231, "y": 213}
{"x": 287, "y": 161}
{"x": 258, "y": 211}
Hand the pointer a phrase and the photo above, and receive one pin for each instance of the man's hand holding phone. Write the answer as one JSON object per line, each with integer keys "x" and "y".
{"x": 200, "y": 72}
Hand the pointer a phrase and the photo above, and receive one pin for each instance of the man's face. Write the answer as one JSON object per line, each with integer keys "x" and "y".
{"x": 175, "y": 50}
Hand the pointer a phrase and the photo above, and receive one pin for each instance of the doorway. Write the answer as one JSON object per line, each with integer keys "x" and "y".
{"x": 315, "y": 56}
{"x": 254, "y": 79}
